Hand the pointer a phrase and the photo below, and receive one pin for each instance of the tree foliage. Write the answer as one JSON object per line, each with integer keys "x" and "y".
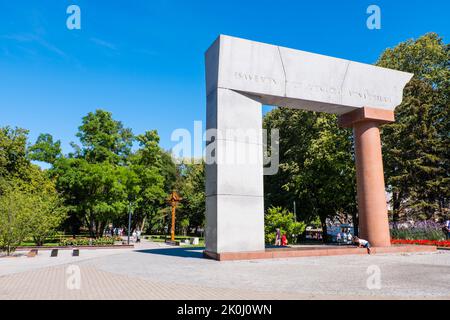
{"x": 192, "y": 190}
{"x": 316, "y": 166}
{"x": 279, "y": 218}
{"x": 48, "y": 210}
{"x": 16, "y": 209}
{"x": 13, "y": 161}
{"x": 29, "y": 203}
{"x": 104, "y": 139}
{"x": 45, "y": 149}
{"x": 103, "y": 179}
{"x": 415, "y": 147}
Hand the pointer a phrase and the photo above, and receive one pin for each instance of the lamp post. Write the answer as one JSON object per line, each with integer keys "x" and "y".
{"x": 129, "y": 223}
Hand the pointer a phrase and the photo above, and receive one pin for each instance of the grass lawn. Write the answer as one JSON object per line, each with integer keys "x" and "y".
{"x": 31, "y": 243}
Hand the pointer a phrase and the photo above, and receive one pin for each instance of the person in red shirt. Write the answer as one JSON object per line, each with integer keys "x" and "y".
{"x": 284, "y": 241}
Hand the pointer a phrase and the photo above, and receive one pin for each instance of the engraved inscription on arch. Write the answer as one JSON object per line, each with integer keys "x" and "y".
{"x": 254, "y": 78}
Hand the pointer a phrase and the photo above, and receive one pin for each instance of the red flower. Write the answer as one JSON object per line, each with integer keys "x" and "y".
{"x": 424, "y": 242}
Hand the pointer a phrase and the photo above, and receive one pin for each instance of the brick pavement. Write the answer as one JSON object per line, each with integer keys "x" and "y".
{"x": 142, "y": 274}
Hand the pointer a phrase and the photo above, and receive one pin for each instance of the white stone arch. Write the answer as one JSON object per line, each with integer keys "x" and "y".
{"x": 241, "y": 75}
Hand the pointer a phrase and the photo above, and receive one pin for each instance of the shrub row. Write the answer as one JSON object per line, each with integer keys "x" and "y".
{"x": 417, "y": 234}
{"x": 419, "y": 230}
{"x": 105, "y": 241}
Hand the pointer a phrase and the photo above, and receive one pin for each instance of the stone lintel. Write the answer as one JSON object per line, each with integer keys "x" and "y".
{"x": 382, "y": 116}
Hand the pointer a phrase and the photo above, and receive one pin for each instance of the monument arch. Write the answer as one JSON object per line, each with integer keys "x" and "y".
{"x": 241, "y": 76}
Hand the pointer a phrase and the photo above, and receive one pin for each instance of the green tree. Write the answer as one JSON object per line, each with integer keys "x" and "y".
{"x": 94, "y": 192}
{"x": 16, "y": 208}
{"x": 415, "y": 147}
{"x": 169, "y": 171}
{"x": 279, "y": 218}
{"x": 48, "y": 210}
{"x": 45, "y": 149}
{"x": 191, "y": 186}
{"x": 13, "y": 161}
{"x": 103, "y": 138}
{"x": 147, "y": 190}
{"x": 102, "y": 181}
{"x": 30, "y": 205}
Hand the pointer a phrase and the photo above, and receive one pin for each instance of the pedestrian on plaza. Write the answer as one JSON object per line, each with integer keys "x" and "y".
{"x": 284, "y": 241}
{"x": 278, "y": 237}
{"x": 339, "y": 238}
{"x": 349, "y": 237}
{"x": 138, "y": 236}
{"x": 361, "y": 243}
{"x": 446, "y": 229}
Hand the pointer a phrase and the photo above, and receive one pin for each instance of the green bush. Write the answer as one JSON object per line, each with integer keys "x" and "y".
{"x": 276, "y": 217}
{"x": 105, "y": 241}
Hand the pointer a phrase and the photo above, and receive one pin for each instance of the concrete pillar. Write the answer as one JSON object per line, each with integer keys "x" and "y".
{"x": 372, "y": 207}
{"x": 234, "y": 173}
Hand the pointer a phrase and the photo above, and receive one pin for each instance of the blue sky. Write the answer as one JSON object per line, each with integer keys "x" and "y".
{"x": 143, "y": 59}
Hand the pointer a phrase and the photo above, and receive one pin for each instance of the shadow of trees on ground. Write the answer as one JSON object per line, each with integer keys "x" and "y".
{"x": 196, "y": 252}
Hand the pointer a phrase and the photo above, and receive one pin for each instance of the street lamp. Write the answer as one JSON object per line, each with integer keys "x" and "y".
{"x": 129, "y": 222}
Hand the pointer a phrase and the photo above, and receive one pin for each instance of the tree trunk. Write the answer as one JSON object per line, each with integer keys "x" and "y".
{"x": 91, "y": 228}
{"x": 143, "y": 223}
{"x": 396, "y": 198}
{"x": 39, "y": 241}
{"x": 100, "y": 227}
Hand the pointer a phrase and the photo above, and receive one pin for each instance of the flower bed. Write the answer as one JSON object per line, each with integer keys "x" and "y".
{"x": 417, "y": 230}
{"x": 438, "y": 243}
{"x": 105, "y": 241}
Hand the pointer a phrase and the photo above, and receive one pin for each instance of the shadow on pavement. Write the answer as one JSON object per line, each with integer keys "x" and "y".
{"x": 177, "y": 252}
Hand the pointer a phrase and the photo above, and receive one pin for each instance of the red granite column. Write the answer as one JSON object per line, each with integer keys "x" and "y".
{"x": 372, "y": 207}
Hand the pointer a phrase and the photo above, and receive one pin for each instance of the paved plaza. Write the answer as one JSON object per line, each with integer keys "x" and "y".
{"x": 156, "y": 271}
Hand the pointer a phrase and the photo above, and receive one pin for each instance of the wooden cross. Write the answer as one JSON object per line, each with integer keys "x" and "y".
{"x": 174, "y": 200}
